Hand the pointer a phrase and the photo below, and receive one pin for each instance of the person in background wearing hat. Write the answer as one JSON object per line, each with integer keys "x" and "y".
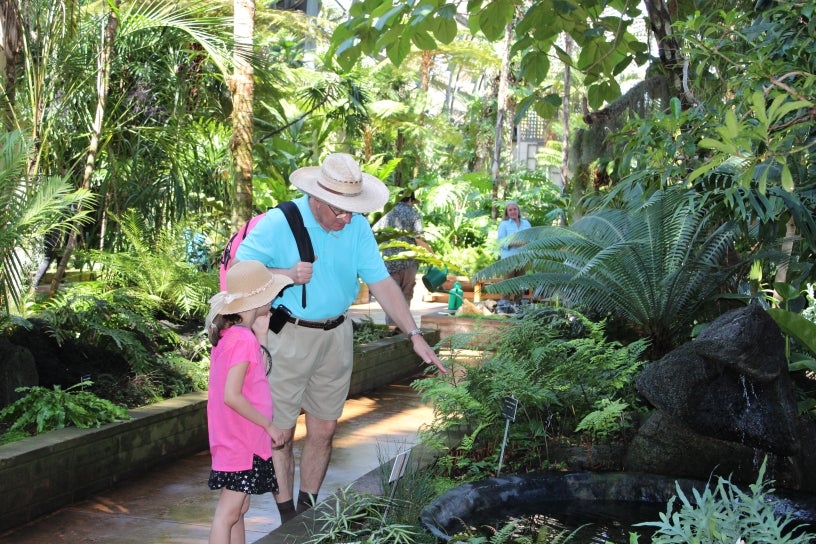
{"x": 239, "y": 403}
{"x": 403, "y": 217}
{"x": 313, "y": 352}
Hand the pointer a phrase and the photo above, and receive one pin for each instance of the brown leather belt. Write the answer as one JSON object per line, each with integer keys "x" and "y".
{"x": 324, "y": 325}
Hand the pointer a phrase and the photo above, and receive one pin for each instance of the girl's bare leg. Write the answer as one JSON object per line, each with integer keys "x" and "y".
{"x": 228, "y": 521}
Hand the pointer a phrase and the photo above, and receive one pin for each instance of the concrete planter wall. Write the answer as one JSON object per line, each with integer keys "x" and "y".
{"x": 47, "y": 472}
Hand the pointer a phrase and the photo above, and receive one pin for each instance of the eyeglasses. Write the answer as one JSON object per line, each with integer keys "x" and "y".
{"x": 337, "y": 212}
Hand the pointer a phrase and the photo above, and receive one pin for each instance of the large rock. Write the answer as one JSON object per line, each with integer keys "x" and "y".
{"x": 664, "y": 445}
{"x": 747, "y": 339}
{"x": 715, "y": 400}
{"x": 17, "y": 369}
{"x": 724, "y": 403}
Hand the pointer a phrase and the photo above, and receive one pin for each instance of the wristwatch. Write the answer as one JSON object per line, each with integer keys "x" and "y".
{"x": 414, "y": 333}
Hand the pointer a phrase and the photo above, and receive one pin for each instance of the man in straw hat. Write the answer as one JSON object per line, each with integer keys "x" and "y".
{"x": 313, "y": 352}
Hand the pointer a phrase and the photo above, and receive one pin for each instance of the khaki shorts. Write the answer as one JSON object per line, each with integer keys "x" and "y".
{"x": 311, "y": 369}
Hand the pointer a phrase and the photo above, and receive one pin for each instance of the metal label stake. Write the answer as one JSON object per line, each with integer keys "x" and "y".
{"x": 508, "y": 412}
{"x": 397, "y": 472}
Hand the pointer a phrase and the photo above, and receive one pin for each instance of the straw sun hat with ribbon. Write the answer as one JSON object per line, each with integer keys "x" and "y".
{"x": 340, "y": 183}
{"x": 249, "y": 285}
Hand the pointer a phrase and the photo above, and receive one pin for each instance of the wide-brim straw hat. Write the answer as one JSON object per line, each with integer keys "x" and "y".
{"x": 250, "y": 285}
{"x": 340, "y": 183}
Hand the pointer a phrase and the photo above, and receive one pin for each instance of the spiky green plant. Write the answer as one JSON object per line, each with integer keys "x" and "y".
{"x": 656, "y": 264}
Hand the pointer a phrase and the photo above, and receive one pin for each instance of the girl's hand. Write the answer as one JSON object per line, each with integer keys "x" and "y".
{"x": 278, "y": 439}
{"x": 260, "y": 327}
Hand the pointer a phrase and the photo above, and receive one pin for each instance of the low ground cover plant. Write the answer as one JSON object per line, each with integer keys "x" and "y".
{"x": 44, "y": 409}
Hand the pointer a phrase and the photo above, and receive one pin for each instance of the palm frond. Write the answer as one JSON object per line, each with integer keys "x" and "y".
{"x": 28, "y": 210}
{"x": 196, "y": 19}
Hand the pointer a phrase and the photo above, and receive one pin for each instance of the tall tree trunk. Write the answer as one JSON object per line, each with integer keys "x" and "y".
{"x": 424, "y": 84}
{"x": 565, "y": 139}
{"x": 787, "y": 252}
{"x": 10, "y": 30}
{"x": 399, "y": 148}
{"x": 668, "y": 48}
{"x": 501, "y": 111}
{"x": 242, "y": 88}
{"x": 102, "y": 84}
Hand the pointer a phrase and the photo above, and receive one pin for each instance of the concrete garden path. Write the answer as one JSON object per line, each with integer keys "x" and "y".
{"x": 172, "y": 504}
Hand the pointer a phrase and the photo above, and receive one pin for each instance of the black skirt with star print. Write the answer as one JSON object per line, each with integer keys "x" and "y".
{"x": 258, "y": 480}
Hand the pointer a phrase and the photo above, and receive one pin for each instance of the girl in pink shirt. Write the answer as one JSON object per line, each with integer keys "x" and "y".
{"x": 239, "y": 404}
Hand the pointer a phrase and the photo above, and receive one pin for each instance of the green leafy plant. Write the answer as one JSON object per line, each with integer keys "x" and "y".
{"x": 607, "y": 420}
{"x": 121, "y": 323}
{"x": 726, "y": 514}
{"x": 349, "y": 516}
{"x": 366, "y": 331}
{"x": 515, "y": 531}
{"x": 151, "y": 266}
{"x": 43, "y": 409}
{"x": 29, "y": 210}
{"x": 556, "y": 363}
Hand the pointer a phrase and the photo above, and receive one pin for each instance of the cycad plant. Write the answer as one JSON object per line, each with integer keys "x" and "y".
{"x": 656, "y": 264}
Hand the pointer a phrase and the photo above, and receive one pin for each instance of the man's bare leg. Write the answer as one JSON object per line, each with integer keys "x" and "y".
{"x": 284, "y": 462}
{"x": 314, "y": 459}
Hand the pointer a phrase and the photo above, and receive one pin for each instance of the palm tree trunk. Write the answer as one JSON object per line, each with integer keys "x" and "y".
{"x": 787, "y": 252}
{"x": 668, "y": 47}
{"x": 243, "y": 89}
{"x": 102, "y": 84}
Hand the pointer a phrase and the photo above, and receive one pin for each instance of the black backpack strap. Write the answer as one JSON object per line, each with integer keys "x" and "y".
{"x": 304, "y": 243}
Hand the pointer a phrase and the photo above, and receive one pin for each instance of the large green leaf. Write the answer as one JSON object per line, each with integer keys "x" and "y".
{"x": 795, "y": 325}
{"x": 494, "y": 18}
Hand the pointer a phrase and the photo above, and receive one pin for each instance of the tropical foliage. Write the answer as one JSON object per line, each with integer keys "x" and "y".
{"x": 30, "y": 211}
{"x": 724, "y": 513}
{"x": 43, "y": 409}
{"x": 656, "y": 264}
{"x": 557, "y": 364}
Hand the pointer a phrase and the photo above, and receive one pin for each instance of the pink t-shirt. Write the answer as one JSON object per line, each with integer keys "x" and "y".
{"x": 233, "y": 438}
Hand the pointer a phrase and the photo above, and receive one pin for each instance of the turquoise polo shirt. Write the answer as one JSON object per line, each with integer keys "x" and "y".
{"x": 340, "y": 257}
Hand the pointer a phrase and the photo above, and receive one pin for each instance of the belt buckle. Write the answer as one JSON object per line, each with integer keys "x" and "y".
{"x": 332, "y": 323}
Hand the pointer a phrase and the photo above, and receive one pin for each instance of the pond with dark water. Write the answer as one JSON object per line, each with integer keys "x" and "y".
{"x": 590, "y": 522}
{"x": 603, "y": 507}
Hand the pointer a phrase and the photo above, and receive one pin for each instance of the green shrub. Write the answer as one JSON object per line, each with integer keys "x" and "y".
{"x": 349, "y": 516}
{"x": 366, "y": 331}
{"x": 43, "y": 409}
{"x": 122, "y": 323}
